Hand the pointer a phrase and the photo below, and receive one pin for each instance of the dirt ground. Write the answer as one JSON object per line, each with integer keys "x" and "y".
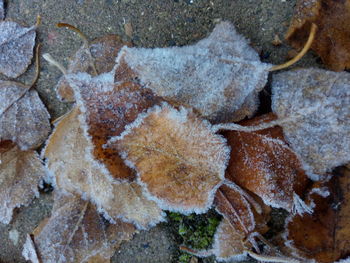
{"x": 155, "y": 23}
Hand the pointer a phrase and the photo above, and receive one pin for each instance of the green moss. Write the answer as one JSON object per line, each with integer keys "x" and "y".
{"x": 196, "y": 231}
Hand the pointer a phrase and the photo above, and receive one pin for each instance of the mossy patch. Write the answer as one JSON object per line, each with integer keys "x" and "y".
{"x": 195, "y": 231}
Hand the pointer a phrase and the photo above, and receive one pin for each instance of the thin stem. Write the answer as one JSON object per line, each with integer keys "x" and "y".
{"x": 265, "y": 258}
{"x": 302, "y": 52}
{"x": 37, "y": 65}
{"x": 237, "y": 127}
{"x": 76, "y": 30}
{"x": 85, "y": 40}
{"x": 53, "y": 62}
{"x": 36, "y": 76}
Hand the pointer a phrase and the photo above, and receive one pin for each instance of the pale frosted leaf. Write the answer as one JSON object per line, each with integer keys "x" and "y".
{"x": 2, "y": 11}
{"x": 263, "y": 163}
{"x": 100, "y": 57}
{"x": 108, "y": 108}
{"x": 29, "y": 251}
{"x": 20, "y": 174}
{"x": 179, "y": 159}
{"x": 217, "y": 76}
{"x": 229, "y": 243}
{"x": 232, "y": 204}
{"x": 75, "y": 232}
{"x": 314, "y": 108}
{"x": 23, "y": 117}
{"x": 16, "y": 48}
{"x": 68, "y": 154}
{"x": 324, "y": 235}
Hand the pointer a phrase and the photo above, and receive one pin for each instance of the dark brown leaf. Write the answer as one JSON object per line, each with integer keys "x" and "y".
{"x": 264, "y": 164}
{"x": 332, "y": 39}
{"x": 324, "y": 235}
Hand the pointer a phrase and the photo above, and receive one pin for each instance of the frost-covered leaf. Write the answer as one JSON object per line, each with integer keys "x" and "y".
{"x": 68, "y": 155}
{"x": 179, "y": 159}
{"x": 220, "y": 76}
{"x": 332, "y": 38}
{"x": 108, "y": 107}
{"x": 23, "y": 117}
{"x": 324, "y": 235}
{"x": 102, "y": 51}
{"x": 2, "y": 11}
{"x": 75, "y": 232}
{"x": 264, "y": 164}
{"x": 245, "y": 217}
{"x": 313, "y": 106}
{"x": 16, "y": 48}
{"x": 233, "y": 205}
{"x": 20, "y": 174}
{"x": 229, "y": 243}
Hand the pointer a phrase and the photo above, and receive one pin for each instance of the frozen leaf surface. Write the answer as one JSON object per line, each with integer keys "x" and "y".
{"x": 2, "y": 11}
{"x": 23, "y": 117}
{"x": 220, "y": 76}
{"x": 74, "y": 170}
{"x": 179, "y": 159}
{"x": 263, "y": 163}
{"x": 98, "y": 58}
{"x": 20, "y": 174}
{"x": 228, "y": 243}
{"x": 332, "y": 38}
{"x": 324, "y": 235}
{"x": 16, "y": 48}
{"x": 313, "y": 106}
{"x": 75, "y": 232}
{"x": 108, "y": 107}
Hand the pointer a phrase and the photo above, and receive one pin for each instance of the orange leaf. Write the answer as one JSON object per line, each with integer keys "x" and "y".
{"x": 179, "y": 159}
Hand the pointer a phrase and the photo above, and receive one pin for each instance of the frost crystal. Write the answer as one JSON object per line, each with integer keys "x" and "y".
{"x": 220, "y": 75}
{"x": 313, "y": 106}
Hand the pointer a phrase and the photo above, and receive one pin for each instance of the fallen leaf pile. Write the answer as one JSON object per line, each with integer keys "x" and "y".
{"x": 167, "y": 129}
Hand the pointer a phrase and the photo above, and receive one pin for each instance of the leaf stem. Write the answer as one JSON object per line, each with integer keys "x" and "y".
{"x": 301, "y": 53}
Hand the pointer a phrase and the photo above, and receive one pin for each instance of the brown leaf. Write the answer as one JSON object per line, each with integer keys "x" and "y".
{"x": 102, "y": 50}
{"x": 264, "y": 164}
{"x": 75, "y": 232}
{"x": 20, "y": 174}
{"x": 68, "y": 154}
{"x": 179, "y": 160}
{"x": 23, "y": 117}
{"x": 214, "y": 76}
{"x": 332, "y": 39}
{"x": 313, "y": 107}
{"x": 324, "y": 235}
{"x": 108, "y": 108}
{"x": 16, "y": 48}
